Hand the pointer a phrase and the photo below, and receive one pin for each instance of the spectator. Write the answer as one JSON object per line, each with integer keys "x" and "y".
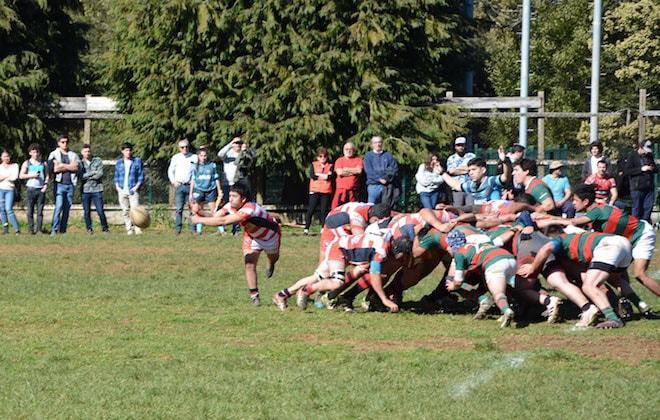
{"x": 348, "y": 169}
{"x": 429, "y": 181}
{"x": 64, "y": 164}
{"x": 480, "y": 186}
{"x": 560, "y": 188}
{"x": 381, "y": 169}
{"x": 8, "y": 177}
{"x": 641, "y": 168}
{"x": 321, "y": 175}
{"x": 129, "y": 177}
{"x": 524, "y": 173}
{"x": 590, "y": 166}
{"x": 91, "y": 175}
{"x": 457, "y": 167}
{"x": 238, "y": 161}
{"x": 606, "y": 190}
{"x": 180, "y": 174}
{"x": 205, "y": 183}
{"x": 36, "y": 175}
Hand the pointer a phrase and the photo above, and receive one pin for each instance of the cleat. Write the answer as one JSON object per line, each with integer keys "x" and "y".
{"x": 610, "y": 323}
{"x": 270, "y": 270}
{"x": 588, "y": 317}
{"x": 506, "y": 318}
{"x": 345, "y": 304}
{"x": 301, "y": 299}
{"x": 318, "y": 300}
{"x": 645, "y": 310}
{"x": 255, "y": 300}
{"x": 552, "y": 310}
{"x": 625, "y": 309}
{"x": 280, "y": 302}
{"x": 330, "y": 304}
{"x": 484, "y": 307}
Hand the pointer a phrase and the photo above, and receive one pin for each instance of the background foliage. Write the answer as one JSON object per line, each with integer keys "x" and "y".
{"x": 292, "y": 76}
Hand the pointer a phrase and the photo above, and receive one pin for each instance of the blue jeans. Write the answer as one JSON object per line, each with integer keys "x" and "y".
{"x": 429, "y": 199}
{"x": 181, "y": 194}
{"x": 63, "y": 200}
{"x": 97, "y": 199}
{"x": 7, "y": 208}
{"x": 374, "y": 193}
{"x": 642, "y": 204}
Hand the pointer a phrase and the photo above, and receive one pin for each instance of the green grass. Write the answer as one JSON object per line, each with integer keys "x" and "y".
{"x": 158, "y": 326}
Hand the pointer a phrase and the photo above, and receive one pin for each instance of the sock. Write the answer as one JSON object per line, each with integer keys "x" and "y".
{"x": 284, "y": 293}
{"x": 503, "y": 304}
{"x": 254, "y": 292}
{"x": 351, "y": 276}
{"x": 361, "y": 285}
{"x": 546, "y": 301}
{"x": 309, "y": 289}
{"x": 609, "y": 313}
{"x": 586, "y": 307}
{"x": 634, "y": 299}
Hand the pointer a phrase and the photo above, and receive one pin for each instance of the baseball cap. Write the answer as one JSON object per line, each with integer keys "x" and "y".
{"x": 460, "y": 140}
{"x": 647, "y": 146}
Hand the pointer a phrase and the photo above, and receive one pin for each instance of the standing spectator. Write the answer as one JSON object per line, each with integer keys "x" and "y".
{"x": 8, "y": 177}
{"x": 321, "y": 175}
{"x": 129, "y": 177}
{"x": 237, "y": 160}
{"x": 64, "y": 164}
{"x": 36, "y": 175}
{"x": 457, "y": 167}
{"x": 590, "y": 166}
{"x": 205, "y": 183}
{"x": 606, "y": 189}
{"x": 560, "y": 188}
{"x": 180, "y": 174}
{"x": 641, "y": 168}
{"x": 524, "y": 173}
{"x": 262, "y": 233}
{"x": 348, "y": 169}
{"x": 429, "y": 180}
{"x": 91, "y": 175}
{"x": 381, "y": 169}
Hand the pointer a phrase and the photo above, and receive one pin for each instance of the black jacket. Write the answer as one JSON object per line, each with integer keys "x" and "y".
{"x": 640, "y": 181}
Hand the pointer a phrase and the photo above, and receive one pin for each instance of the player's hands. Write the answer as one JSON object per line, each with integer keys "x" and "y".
{"x": 525, "y": 270}
{"x": 452, "y": 285}
{"x": 393, "y": 307}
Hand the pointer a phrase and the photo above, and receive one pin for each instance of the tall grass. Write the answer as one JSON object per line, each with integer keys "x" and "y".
{"x": 157, "y": 326}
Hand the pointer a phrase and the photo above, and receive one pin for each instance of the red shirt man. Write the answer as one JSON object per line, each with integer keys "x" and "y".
{"x": 348, "y": 169}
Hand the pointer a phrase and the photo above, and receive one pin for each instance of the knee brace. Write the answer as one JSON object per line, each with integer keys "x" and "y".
{"x": 338, "y": 276}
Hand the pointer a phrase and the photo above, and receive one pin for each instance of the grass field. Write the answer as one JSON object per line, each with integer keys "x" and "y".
{"x": 157, "y": 326}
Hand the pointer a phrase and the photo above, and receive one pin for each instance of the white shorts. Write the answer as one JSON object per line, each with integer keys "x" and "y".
{"x": 477, "y": 238}
{"x": 270, "y": 246}
{"x": 505, "y": 268}
{"x": 613, "y": 250}
{"x": 645, "y": 245}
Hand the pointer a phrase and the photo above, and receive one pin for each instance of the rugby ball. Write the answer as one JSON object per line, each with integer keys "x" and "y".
{"x": 140, "y": 217}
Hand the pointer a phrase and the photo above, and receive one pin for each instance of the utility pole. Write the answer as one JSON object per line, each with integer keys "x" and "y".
{"x": 595, "y": 71}
{"x": 524, "y": 69}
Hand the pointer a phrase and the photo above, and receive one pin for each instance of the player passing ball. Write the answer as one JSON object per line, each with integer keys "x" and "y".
{"x": 262, "y": 232}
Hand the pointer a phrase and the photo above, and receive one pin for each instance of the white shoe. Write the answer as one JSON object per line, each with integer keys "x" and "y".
{"x": 552, "y": 310}
{"x": 506, "y": 318}
{"x": 301, "y": 299}
{"x": 588, "y": 317}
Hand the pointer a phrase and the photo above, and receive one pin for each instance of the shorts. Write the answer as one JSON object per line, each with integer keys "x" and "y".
{"x": 477, "y": 238}
{"x": 614, "y": 251}
{"x": 504, "y": 268}
{"x": 645, "y": 245}
{"x": 205, "y": 197}
{"x": 270, "y": 246}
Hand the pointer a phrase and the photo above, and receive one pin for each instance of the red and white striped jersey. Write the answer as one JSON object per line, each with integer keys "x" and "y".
{"x": 256, "y": 221}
